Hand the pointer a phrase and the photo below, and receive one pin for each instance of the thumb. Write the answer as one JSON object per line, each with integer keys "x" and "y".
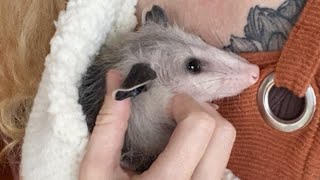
{"x": 106, "y": 141}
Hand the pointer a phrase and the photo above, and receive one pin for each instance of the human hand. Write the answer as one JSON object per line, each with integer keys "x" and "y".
{"x": 199, "y": 147}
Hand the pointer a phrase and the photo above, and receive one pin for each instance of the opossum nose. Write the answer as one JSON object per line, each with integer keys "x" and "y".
{"x": 254, "y": 74}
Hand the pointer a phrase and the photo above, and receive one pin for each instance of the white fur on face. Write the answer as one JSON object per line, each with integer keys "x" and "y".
{"x": 224, "y": 74}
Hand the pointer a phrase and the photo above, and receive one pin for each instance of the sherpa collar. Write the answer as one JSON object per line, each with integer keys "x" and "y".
{"x": 56, "y": 134}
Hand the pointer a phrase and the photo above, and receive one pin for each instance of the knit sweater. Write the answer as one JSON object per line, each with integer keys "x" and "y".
{"x": 260, "y": 151}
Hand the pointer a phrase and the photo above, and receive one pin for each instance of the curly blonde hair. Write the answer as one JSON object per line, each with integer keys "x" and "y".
{"x": 25, "y": 32}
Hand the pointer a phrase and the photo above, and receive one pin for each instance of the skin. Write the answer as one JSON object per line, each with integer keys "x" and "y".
{"x": 205, "y": 17}
{"x": 191, "y": 151}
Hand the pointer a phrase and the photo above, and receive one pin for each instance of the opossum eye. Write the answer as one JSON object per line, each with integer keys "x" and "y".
{"x": 194, "y": 66}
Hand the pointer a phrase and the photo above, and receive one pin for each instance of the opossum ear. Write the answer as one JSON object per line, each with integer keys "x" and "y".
{"x": 157, "y": 15}
{"x": 136, "y": 81}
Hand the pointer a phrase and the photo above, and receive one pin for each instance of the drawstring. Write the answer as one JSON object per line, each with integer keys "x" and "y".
{"x": 300, "y": 57}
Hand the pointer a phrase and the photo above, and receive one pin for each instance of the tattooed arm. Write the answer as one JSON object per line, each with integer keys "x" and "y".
{"x": 238, "y": 26}
{"x": 267, "y": 29}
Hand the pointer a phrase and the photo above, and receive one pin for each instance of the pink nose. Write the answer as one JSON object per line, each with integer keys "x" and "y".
{"x": 254, "y": 73}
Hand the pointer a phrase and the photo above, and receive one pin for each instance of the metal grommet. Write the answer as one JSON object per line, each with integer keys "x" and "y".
{"x": 280, "y": 124}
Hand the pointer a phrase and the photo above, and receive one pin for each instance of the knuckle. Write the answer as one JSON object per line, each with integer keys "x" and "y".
{"x": 228, "y": 129}
{"x": 103, "y": 118}
{"x": 109, "y": 120}
{"x": 203, "y": 121}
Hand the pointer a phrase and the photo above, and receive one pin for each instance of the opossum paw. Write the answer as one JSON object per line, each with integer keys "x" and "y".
{"x": 228, "y": 175}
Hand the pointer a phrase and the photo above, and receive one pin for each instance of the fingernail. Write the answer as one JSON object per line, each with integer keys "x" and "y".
{"x": 215, "y": 106}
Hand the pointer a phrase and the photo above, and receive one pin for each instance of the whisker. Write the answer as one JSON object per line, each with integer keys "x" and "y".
{"x": 239, "y": 101}
{"x": 228, "y": 66}
{"x": 237, "y": 108}
{"x": 211, "y": 80}
{"x": 215, "y": 32}
{"x": 187, "y": 47}
{"x": 219, "y": 72}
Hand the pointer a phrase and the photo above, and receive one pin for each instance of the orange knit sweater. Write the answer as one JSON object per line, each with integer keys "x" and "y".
{"x": 261, "y": 152}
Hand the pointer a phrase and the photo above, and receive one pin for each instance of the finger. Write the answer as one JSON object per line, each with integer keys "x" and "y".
{"x": 104, "y": 147}
{"x": 113, "y": 81}
{"x": 215, "y": 159}
{"x": 187, "y": 143}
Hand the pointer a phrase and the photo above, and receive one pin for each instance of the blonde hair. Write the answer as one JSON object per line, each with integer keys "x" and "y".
{"x": 25, "y": 32}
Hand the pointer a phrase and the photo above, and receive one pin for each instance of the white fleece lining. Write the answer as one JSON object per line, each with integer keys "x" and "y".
{"x": 57, "y": 134}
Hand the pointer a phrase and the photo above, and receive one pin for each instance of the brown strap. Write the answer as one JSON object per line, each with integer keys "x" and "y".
{"x": 300, "y": 57}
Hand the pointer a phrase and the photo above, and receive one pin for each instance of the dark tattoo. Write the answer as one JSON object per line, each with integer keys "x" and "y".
{"x": 267, "y": 29}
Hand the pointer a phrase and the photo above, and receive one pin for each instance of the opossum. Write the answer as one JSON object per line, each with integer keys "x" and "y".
{"x": 158, "y": 61}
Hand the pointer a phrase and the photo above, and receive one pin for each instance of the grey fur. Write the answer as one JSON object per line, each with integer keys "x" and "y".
{"x": 166, "y": 50}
